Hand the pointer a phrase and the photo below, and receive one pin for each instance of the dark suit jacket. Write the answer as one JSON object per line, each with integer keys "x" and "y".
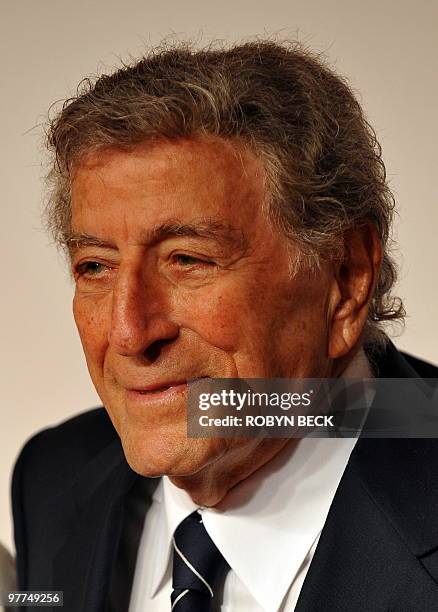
{"x": 78, "y": 512}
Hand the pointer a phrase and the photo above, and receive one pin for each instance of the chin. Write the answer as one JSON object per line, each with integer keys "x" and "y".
{"x": 161, "y": 455}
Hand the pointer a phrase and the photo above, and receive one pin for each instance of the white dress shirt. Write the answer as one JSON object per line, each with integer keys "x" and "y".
{"x": 267, "y": 528}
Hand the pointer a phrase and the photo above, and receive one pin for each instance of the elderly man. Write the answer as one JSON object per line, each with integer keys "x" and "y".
{"x": 226, "y": 215}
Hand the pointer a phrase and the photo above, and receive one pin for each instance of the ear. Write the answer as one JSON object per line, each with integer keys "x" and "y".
{"x": 353, "y": 285}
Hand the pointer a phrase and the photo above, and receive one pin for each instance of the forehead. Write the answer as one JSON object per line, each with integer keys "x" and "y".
{"x": 182, "y": 179}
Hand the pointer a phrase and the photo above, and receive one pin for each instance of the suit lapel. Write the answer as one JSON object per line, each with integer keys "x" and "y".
{"x": 401, "y": 476}
{"x": 379, "y": 546}
{"x": 85, "y": 560}
{"x": 135, "y": 506}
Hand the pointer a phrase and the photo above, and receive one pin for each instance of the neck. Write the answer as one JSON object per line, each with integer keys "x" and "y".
{"x": 209, "y": 486}
{"x": 341, "y": 364}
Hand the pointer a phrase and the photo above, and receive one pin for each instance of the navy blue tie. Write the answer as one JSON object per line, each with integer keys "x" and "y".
{"x": 198, "y": 567}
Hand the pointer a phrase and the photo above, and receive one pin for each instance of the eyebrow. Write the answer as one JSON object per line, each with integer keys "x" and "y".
{"x": 207, "y": 229}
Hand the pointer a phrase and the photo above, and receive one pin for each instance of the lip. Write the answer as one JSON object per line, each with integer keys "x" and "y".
{"x": 157, "y": 391}
{"x": 159, "y": 386}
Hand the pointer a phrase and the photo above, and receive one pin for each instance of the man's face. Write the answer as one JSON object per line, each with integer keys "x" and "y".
{"x": 185, "y": 278}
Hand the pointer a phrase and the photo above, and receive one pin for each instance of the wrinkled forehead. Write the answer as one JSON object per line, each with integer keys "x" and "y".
{"x": 183, "y": 179}
{"x": 213, "y": 161}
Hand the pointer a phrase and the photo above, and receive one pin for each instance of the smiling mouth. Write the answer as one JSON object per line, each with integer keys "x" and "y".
{"x": 160, "y": 389}
{"x": 158, "y": 392}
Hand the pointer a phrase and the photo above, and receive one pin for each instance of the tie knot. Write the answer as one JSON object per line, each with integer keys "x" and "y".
{"x": 198, "y": 565}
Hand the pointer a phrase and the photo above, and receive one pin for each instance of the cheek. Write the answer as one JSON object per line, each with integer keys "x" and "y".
{"x": 219, "y": 315}
{"x": 91, "y": 322}
{"x": 300, "y": 332}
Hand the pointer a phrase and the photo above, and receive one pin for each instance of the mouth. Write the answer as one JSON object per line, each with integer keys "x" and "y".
{"x": 163, "y": 391}
{"x": 160, "y": 391}
{"x": 160, "y": 388}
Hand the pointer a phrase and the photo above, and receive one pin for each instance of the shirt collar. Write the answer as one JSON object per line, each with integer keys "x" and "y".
{"x": 276, "y": 513}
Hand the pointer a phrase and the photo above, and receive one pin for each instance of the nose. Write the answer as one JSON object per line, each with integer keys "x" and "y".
{"x": 140, "y": 318}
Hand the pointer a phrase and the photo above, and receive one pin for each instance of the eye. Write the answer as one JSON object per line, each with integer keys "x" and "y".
{"x": 187, "y": 261}
{"x": 90, "y": 269}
